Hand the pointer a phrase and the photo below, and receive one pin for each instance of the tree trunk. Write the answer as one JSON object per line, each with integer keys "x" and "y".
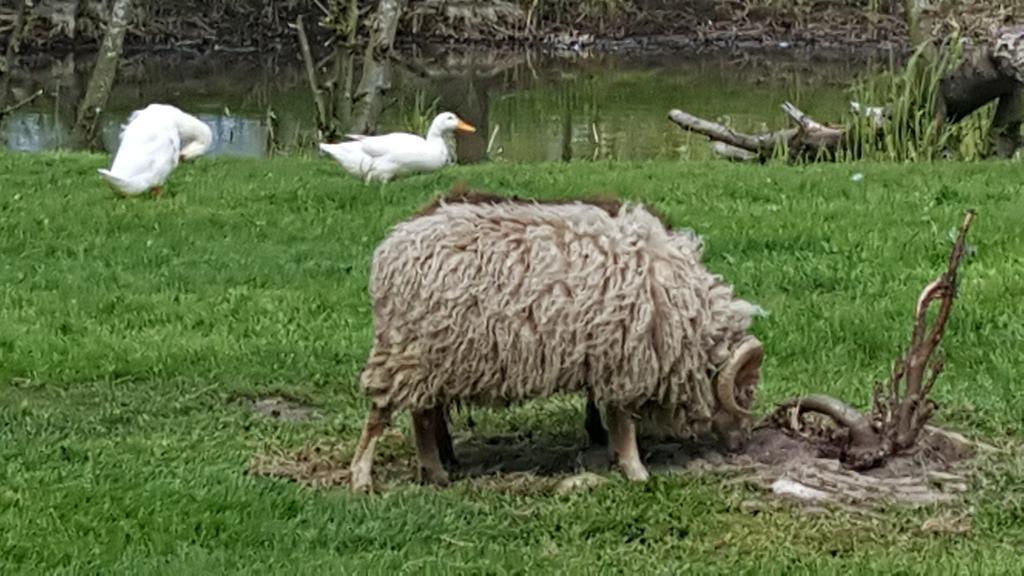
{"x": 376, "y": 78}
{"x": 344, "y": 65}
{"x": 103, "y": 74}
{"x": 13, "y": 42}
{"x": 919, "y": 15}
{"x": 322, "y": 123}
{"x": 469, "y": 97}
{"x": 989, "y": 73}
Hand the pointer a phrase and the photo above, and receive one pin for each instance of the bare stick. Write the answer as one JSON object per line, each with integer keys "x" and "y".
{"x": 314, "y": 86}
{"x": 23, "y": 102}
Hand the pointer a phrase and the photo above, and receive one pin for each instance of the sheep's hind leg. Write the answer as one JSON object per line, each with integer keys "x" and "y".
{"x": 596, "y": 434}
{"x": 622, "y": 446}
{"x": 425, "y": 431}
{"x": 361, "y": 469}
{"x": 444, "y": 437}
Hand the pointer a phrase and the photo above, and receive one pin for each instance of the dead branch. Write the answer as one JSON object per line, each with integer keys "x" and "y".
{"x": 761, "y": 144}
{"x": 895, "y": 422}
{"x": 919, "y": 355}
{"x": 813, "y": 139}
{"x": 809, "y": 140}
{"x": 23, "y": 102}
{"x": 730, "y": 152}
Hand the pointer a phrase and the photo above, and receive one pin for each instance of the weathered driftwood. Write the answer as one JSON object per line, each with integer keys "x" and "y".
{"x": 902, "y": 409}
{"x": 809, "y": 140}
{"x": 102, "y": 80}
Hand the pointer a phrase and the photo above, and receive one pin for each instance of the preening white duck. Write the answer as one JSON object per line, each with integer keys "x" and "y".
{"x": 152, "y": 143}
{"x": 386, "y": 156}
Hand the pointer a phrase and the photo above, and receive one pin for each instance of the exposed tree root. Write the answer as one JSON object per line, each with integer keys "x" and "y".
{"x": 902, "y": 410}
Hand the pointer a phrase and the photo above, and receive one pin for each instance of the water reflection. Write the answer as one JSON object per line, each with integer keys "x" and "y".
{"x": 526, "y": 107}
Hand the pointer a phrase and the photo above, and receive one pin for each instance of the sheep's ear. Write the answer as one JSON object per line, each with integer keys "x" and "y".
{"x": 689, "y": 236}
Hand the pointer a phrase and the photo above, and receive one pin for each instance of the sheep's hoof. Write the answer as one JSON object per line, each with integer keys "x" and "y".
{"x": 361, "y": 482}
{"x": 636, "y": 473}
{"x": 437, "y": 477}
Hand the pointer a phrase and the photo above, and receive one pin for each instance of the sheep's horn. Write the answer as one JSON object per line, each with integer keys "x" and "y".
{"x": 749, "y": 349}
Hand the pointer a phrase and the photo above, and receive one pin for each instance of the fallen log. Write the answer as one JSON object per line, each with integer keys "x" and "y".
{"x": 809, "y": 140}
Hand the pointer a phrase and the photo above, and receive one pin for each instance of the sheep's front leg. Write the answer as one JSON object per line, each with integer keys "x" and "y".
{"x": 361, "y": 469}
{"x": 622, "y": 446}
{"x": 424, "y": 426}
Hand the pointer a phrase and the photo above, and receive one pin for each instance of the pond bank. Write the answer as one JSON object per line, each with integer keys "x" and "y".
{"x": 617, "y": 25}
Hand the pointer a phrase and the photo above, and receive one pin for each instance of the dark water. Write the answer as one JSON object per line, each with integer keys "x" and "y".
{"x": 528, "y": 107}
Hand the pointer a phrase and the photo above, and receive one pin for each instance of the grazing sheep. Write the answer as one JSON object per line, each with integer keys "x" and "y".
{"x": 485, "y": 300}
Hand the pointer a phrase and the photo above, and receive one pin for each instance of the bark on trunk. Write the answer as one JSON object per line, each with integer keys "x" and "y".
{"x": 989, "y": 73}
{"x": 919, "y": 15}
{"x": 376, "y": 78}
{"x": 344, "y": 62}
{"x": 84, "y": 134}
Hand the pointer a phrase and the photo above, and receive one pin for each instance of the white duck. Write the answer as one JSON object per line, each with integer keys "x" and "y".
{"x": 389, "y": 155}
{"x": 155, "y": 139}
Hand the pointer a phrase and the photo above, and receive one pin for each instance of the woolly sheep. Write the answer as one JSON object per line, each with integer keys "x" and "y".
{"x": 486, "y": 300}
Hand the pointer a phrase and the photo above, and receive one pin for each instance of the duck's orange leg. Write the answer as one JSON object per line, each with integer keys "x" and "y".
{"x": 157, "y": 190}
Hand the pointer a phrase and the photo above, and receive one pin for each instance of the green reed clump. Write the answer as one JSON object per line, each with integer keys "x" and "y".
{"x": 910, "y": 132}
{"x": 418, "y": 111}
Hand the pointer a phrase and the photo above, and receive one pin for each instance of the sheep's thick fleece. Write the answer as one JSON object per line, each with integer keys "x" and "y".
{"x": 502, "y": 302}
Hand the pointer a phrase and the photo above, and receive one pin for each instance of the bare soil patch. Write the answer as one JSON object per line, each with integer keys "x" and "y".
{"x": 779, "y": 463}
{"x": 281, "y": 407}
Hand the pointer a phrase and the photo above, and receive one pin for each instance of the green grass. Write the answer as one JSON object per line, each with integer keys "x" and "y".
{"x": 127, "y": 327}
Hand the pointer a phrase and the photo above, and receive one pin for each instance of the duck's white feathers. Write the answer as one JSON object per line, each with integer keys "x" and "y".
{"x": 148, "y": 153}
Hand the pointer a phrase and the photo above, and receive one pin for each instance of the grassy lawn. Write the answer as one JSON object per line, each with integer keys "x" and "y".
{"x": 128, "y": 329}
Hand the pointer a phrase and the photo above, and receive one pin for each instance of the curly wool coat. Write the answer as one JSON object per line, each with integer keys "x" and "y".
{"x": 497, "y": 302}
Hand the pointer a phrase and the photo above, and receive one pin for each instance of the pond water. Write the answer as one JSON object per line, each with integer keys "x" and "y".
{"x": 526, "y": 106}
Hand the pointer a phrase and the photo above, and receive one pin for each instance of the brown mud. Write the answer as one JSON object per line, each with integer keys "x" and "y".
{"x": 281, "y": 407}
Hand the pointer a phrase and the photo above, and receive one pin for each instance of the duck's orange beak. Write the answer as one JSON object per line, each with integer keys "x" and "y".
{"x": 464, "y": 126}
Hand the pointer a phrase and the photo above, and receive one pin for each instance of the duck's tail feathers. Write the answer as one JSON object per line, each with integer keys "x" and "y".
{"x": 124, "y": 185}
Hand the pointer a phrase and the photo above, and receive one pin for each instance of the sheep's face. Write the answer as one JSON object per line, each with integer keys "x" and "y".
{"x": 735, "y": 386}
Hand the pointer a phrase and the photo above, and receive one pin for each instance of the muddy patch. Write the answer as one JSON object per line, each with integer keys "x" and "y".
{"x": 281, "y": 407}
{"x": 779, "y": 464}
